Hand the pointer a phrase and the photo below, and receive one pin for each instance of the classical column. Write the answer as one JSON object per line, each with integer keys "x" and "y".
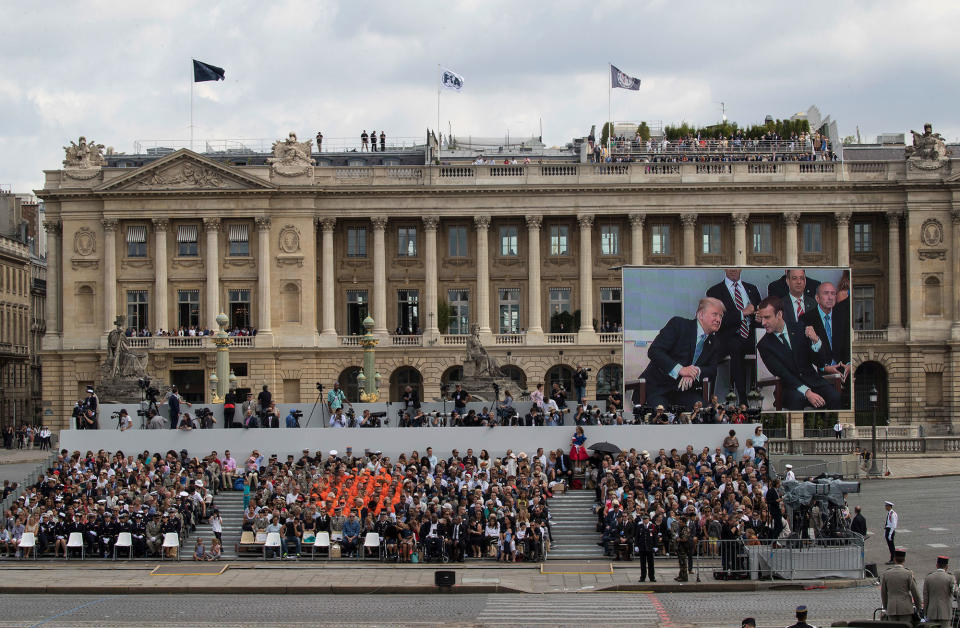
{"x": 160, "y": 289}
{"x": 327, "y": 317}
{"x": 843, "y": 237}
{"x": 482, "y": 224}
{"x": 430, "y": 281}
{"x": 379, "y": 275}
{"x": 109, "y": 272}
{"x": 893, "y": 266}
{"x": 54, "y": 251}
{"x": 955, "y": 256}
{"x": 636, "y": 238}
{"x": 264, "y": 298}
{"x": 689, "y": 239}
{"x": 790, "y": 219}
{"x": 740, "y": 238}
{"x": 534, "y": 326}
{"x": 586, "y": 277}
{"x": 212, "y": 227}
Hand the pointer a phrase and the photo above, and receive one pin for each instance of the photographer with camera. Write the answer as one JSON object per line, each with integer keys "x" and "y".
{"x": 293, "y": 418}
{"x": 204, "y": 417}
{"x": 580, "y": 377}
{"x": 124, "y": 421}
{"x": 155, "y": 420}
{"x": 338, "y": 418}
{"x": 558, "y": 395}
{"x": 336, "y": 398}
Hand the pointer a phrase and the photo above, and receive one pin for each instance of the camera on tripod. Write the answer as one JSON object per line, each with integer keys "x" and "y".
{"x": 375, "y": 419}
{"x": 204, "y": 417}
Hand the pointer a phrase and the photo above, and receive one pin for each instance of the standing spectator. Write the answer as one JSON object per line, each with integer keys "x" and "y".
{"x": 373, "y": 140}
{"x": 336, "y": 398}
{"x": 938, "y": 588}
{"x": 319, "y": 142}
{"x": 731, "y": 444}
{"x": 173, "y": 402}
{"x": 460, "y": 399}
{"x": 363, "y": 141}
{"x": 537, "y": 397}
{"x": 92, "y": 402}
{"x": 838, "y": 429}
{"x": 760, "y": 440}
{"x": 559, "y": 395}
{"x": 229, "y": 408}
{"x": 859, "y": 522}
{"x": 898, "y": 591}
{"x": 383, "y": 141}
{"x": 890, "y": 530}
{"x": 580, "y": 377}
{"x": 411, "y": 402}
{"x": 264, "y": 399}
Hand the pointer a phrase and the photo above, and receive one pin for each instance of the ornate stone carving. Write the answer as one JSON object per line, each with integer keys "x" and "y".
{"x": 931, "y": 232}
{"x": 585, "y": 220}
{"x": 262, "y": 223}
{"x": 791, "y": 218}
{"x": 161, "y": 224}
{"x": 327, "y": 223}
{"x": 843, "y": 218}
{"x": 84, "y": 242}
{"x": 291, "y": 158}
{"x": 929, "y": 152}
{"x": 110, "y": 224}
{"x": 188, "y": 175}
{"x": 955, "y": 216}
{"x": 534, "y": 222}
{"x": 940, "y": 254}
{"x": 83, "y": 160}
{"x": 893, "y": 217}
{"x": 481, "y": 222}
{"x": 289, "y": 239}
{"x": 740, "y": 219}
{"x": 430, "y": 223}
{"x": 379, "y": 222}
{"x": 211, "y": 224}
{"x": 689, "y": 220}
{"x": 53, "y": 226}
{"x": 637, "y": 219}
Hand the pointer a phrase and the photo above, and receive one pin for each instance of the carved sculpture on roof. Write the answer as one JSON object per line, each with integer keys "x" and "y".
{"x": 187, "y": 175}
{"x": 291, "y": 158}
{"x": 84, "y": 160}
{"x": 929, "y": 152}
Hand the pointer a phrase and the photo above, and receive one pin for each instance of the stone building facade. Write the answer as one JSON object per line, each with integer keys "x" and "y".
{"x": 302, "y": 253}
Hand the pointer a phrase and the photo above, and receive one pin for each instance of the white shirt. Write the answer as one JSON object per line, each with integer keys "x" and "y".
{"x": 791, "y": 475}
{"x": 741, "y": 290}
{"x": 892, "y": 520}
{"x": 794, "y": 300}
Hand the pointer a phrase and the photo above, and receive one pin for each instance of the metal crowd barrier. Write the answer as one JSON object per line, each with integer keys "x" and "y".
{"x": 784, "y": 559}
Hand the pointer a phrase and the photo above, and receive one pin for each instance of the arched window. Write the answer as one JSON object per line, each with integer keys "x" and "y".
{"x": 290, "y": 298}
{"x": 403, "y": 377}
{"x": 516, "y": 374}
{"x": 348, "y": 383}
{"x": 609, "y": 380}
{"x": 450, "y": 378}
{"x": 563, "y": 375}
{"x": 932, "y": 297}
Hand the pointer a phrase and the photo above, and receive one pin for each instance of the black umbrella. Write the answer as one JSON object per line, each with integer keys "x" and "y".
{"x": 605, "y": 448}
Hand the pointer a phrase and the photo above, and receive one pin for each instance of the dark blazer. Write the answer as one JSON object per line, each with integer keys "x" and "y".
{"x": 730, "y": 326}
{"x": 779, "y": 288}
{"x": 676, "y": 344}
{"x": 797, "y": 365}
{"x": 839, "y": 349}
{"x": 790, "y": 314}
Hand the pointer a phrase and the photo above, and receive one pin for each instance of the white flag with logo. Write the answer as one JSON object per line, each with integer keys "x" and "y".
{"x": 451, "y": 80}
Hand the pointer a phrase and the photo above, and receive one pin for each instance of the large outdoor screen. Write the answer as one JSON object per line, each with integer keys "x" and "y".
{"x": 778, "y": 339}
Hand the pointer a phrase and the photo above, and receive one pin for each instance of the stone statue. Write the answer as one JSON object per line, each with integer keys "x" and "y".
{"x": 290, "y": 157}
{"x": 929, "y": 151}
{"x": 83, "y": 155}
{"x": 477, "y": 357}
{"x": 121, "y": 361}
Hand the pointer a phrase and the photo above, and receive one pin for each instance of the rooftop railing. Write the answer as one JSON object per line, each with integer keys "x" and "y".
{"x": 264, "y": 146}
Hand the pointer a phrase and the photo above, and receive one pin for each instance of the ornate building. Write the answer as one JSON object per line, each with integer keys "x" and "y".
{"x": 18, "y": 402}
{"x": 302, "y": 247}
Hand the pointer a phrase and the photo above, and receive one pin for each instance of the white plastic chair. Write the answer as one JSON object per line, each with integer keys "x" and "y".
{"x": 28, "y": 541}
{"x": 273, "y": 541}
{"x": 75, "y": 541}
{"x": 124, "y": 539}
{"x": 371, "y": 540}
{"x": 170, "y": 539}
{"x": 323, "y": 542}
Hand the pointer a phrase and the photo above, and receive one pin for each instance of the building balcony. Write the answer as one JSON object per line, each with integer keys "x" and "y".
{"x": 186, "y": 342}
{"x": 870, "y": 335}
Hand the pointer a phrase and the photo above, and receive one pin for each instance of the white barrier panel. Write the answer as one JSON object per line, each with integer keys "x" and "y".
{"x": 393, "y": 441}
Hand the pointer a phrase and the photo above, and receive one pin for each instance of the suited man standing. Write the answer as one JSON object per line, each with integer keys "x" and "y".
{"x": 645, "y": 538}
{"x": 799, "y": 297}
{"x": 793, "y": 355}
{"x": 682, "y": 355}
{"x": 898, "y": 590}
{"x": 938, "y": 589}
{"x": 780, "y": 289}
{"x": 832, "y": 325}
{"x": 859, "y": 523}
{"x": 736, "y": 329}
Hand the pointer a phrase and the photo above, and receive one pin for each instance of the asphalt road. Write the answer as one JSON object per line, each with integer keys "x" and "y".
{"x": 608, "y": 609}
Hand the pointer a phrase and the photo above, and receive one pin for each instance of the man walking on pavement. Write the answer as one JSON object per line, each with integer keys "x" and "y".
{"x": 938, "y": 589}
{"x": 890, "y": 529}
{"x": 898, "y": 590}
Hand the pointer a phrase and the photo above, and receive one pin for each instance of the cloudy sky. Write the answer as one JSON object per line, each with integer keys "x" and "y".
{"x": 118, "y": 72}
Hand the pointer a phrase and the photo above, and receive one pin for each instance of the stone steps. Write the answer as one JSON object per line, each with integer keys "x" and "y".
{"x": 573, "y": 524}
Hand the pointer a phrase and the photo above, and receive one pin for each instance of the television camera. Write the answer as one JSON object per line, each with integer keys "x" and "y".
{"x": 204, "y": 417}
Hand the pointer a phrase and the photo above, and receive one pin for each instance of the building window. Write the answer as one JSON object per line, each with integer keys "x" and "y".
{"x": 137, "y": 310}
{"x": 136, "y": 241}
{"x": 611, "y": 310}
{"x": 356, "y": 242}
{"x": 864, "y": 298}
{"x": 561, "y": 321}
{"x": 407, "y": 242}
{"x": 508, "y": 241}
{"x": 187, "y": 241}
{"x": 239, "y": 240}
{"x": 559, "y": 240}
{"x": 459, "y": 311}
{"x": 457, "y": 241}
{"x": 660, "y": 240}
{"x": 357, "y": 305}
{"x": 609, "y": 239}
{"x": 509, "y": 310}
{"x": 862, "y": 237}
{"x": 239, "y": 308}
{"x": 932, "y": 298}
{"x": 934, "y": 389}
{"x": 408, "y": 312}
{"x": 710, "y": 234}
{"x": 762, "y": 238}
{"x": 812, "y": 237}
{"x": 188, "y": 308}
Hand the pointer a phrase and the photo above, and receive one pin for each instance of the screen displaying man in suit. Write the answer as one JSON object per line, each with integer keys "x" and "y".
{"x": 794, "y": 354}
{"x": 779, "y": 288}
{"x": 736, "y": 330}
{"x": 797, "y": 301}
{"x": 832, "y": 325}
{"x": 683, "y": 354}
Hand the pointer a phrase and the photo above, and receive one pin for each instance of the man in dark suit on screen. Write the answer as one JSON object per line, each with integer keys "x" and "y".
{"x": 799, "y": 298}
{"x": 736, "y": 330}
{"x": 780, "y": 288}
{"x": 831, "y": 322}
{"x": 683, "y": 354}
{"x": 794, "y": 354}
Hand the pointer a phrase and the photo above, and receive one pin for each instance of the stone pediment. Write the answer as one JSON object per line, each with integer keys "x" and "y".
{"x": 185, "y": 170}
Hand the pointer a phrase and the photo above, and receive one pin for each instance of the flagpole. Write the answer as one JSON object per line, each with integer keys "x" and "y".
{"x": 437, "y": 132}
{"x": 609, "y": 105}
{"x": 191, "y": 112}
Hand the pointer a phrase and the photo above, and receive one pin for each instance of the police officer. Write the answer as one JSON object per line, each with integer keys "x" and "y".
{"x": 890, "y": 529}
{"x": 91, "y": 533}
{"x": 138, "y": 532}
{"x": 938, "y": 588}
{"x": 646, "y": 540}
{"x": 108, "y": 534}
{"x": 801, "y": 618}
{"x": 898, "y": 590}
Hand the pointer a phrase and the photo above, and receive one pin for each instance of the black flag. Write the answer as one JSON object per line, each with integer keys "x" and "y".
{"x": 206, "y": 72}
{"x": 625, "y": 81}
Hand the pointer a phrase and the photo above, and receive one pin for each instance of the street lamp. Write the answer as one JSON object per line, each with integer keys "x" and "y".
{"x": 874, "y": 471}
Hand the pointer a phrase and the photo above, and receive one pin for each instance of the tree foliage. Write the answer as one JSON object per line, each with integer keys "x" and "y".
{"x": 726, "y": 129}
